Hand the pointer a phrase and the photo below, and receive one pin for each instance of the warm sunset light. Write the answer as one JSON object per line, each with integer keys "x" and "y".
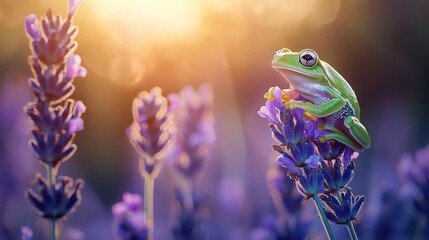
{"x": 214, "y": 119}
{"x": 142, "y": 21}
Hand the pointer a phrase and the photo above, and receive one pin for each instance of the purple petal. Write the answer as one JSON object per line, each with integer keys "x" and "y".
{"x": 313, "y": 161}
{"x": 119, "y": 210}
{"x": 269, "y": 112}
{"x": 73, "y": 68}
{"x": 73, "y": 5}
{"x": 32, "y": 27}
{"x": 288, "y": 163}
{"x": 133, "y": 201}
{"x": 80, "y": 108}
{"x": 348, "y": 155}
{"x": 75, "y": 125}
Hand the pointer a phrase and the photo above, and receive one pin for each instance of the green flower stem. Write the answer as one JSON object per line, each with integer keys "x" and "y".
{"x": 352, "y": 231}
{"x": 148, "y": 204}
{"x": 323, "y": 218}
{"x": 51, "y": 175}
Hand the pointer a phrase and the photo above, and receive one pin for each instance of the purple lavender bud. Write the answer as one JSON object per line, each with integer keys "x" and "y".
{"x": 75, "y": 124}
{"x": 26, "y": 233}
{"x": 337, "y": 177}
{"x": 151, "y": 130}
{"x": 195, "y": 129}
{"x": 310, "y": 185}
{"x": 73, "y": 67}
{"x": 301, "y": 153}
{"x": 56, "y": 201}
{"x": 130, "y": 220}
{"x": 345, "y": 210}
{"x": 32, "y": 27}
{"x": 330, "y": 149}
{"x": 73, "y": 5}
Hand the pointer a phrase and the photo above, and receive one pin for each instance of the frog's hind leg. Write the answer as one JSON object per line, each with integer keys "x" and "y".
{"x": 338, "y": 136}
{"x": 358, "y": 131}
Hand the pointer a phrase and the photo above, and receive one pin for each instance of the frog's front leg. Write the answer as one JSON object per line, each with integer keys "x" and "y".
{"x": 322, "y": 110}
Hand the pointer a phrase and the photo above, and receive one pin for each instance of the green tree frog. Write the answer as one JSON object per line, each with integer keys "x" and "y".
{"x": 327, "y": 96}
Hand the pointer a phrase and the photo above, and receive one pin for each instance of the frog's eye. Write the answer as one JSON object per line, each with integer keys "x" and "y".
{"x": 308, "y": 58}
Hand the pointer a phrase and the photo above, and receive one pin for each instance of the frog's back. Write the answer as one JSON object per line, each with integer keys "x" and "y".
{"x": 338, "y": 82}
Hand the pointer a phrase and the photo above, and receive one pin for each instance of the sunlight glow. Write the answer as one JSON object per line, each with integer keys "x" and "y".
{"x": 148, "y": 20}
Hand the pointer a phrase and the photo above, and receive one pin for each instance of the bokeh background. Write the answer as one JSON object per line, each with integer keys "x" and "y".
{"x": 380, "y": 47}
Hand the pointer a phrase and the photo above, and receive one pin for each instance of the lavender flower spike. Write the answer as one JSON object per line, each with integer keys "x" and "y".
{"x": 195, "y": 134}
{"x": 56, "y": 118}
{"x": 150, "y": 134}
{"x": 151, "y": 130}
{"x": 195, "y": 128}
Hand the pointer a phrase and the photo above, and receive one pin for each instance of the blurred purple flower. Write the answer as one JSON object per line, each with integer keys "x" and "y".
{"x": 415, "y": 172}
{"x": 130, "y": 220}
{"x": 194, "y": 124}
{"x": 151, "y": 131}
{"x": 195, "y": 128}
{"x": 26, "y": 233}
{"x": 291, "y": 222}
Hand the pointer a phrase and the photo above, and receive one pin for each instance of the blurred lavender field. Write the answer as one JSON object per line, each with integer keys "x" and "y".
{"x": 381, "y": 48}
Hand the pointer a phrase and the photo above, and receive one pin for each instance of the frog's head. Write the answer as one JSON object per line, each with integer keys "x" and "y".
{"x": 299, "y": 68}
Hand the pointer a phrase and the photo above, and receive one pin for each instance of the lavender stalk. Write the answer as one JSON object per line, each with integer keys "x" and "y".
{"x": 55, "y": 117}
{"x": 150, "y": 134}
{"x": 194, "y": 135}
